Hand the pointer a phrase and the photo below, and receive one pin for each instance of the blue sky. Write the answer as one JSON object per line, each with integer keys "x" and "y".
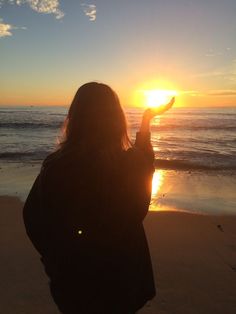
{"x": 48, "y": 48}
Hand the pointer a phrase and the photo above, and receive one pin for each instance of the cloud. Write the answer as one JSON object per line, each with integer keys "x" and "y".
{"x": 218, "y": 92}
{"x": 189, "y": 92}
{"x": 226, "y": 73}
{"x": 45, "y": 6}
{"x": 214, "y": 73}
{"x": 40, "y": 6}
{"x": 212, "y": 53}
{"x": 192, "y": 93}
{"x": 6, "y": 29}
{"x": 90, "y": 10}
{"x": 222, "y": 93}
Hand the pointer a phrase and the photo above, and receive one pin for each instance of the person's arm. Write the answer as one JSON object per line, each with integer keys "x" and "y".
{"x": 33, "y": 215}
{"x": 140, "y": 182}
{"x": 143, "y": 136}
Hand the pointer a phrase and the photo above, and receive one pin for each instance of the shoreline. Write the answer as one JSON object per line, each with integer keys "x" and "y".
{"x": 193, "y": 257}
{"x": 202, "y": 192}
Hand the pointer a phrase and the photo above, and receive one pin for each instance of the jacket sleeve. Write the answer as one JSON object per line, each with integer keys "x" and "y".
{"x": 140, "y": 176}
{"x": 143, "y": 143}
{"x": 33, "y": 215}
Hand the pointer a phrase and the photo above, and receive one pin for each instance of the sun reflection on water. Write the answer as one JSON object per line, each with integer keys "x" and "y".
{"x": 157, "y": 182}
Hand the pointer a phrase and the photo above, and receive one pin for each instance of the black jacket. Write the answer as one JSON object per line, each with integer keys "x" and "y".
{"x": 84, "y": 215}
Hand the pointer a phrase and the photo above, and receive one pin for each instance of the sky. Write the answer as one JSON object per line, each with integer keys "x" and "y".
{"x": 48, "y": 48}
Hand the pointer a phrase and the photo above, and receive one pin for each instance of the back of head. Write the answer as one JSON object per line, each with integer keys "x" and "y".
{"x": 95, "y": 120}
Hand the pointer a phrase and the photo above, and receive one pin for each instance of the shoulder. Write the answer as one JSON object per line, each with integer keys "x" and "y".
{"x": 52, "y": 159}
{"x": 65, "y": 166}
{"x": 57, "y": 160}
{"x": 52, "y": 169}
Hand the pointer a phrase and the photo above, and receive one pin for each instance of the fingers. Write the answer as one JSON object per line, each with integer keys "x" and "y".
{"x": 152, "y": 112}
{"x": 170, "y": 104}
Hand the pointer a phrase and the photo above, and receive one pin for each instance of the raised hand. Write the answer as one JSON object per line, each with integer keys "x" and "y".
{"x": 152, "y": 112}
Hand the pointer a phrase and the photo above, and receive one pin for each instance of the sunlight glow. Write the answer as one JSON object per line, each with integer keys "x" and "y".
{"x": 157, "y": 181}
{"x": 157, "y": 97}
{"x": 154, "y": 93}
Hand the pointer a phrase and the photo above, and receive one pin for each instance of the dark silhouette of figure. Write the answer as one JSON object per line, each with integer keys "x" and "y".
{"x": 85, "y": 209}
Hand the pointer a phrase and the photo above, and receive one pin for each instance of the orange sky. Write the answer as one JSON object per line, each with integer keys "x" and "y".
{"x": 46, "y": 55}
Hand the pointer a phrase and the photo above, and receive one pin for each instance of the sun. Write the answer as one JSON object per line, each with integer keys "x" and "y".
{"x": 156, "y": 97}
{"x": 154, "y": 93}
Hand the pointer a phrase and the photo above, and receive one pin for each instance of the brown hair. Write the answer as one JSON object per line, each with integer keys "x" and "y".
{"x": 95, "y": 120}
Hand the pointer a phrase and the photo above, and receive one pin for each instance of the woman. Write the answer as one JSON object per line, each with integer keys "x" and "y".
{"x": 85, "y": 210}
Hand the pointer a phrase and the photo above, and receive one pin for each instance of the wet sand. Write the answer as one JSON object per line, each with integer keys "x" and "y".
{"x": 193, "y": 256}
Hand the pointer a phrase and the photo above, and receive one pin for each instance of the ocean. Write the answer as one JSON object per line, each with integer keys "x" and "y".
{"x": 195, "y": 154}
{"x": 182, "y": 138}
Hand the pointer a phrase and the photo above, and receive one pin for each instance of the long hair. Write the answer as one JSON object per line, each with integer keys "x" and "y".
{"x": 95, "y": 121}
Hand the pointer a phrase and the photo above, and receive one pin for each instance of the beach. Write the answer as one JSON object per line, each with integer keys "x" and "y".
{"x": 193, "y": 257}
{"x": 84, "y": 85}
{"x": 191, "y": 224}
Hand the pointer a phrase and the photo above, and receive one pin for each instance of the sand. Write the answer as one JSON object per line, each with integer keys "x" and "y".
{"x": 193, "y": 256}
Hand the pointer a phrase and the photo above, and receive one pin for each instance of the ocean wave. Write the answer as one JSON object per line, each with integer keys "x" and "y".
{"x": 169, "y": 164}
{"x": 133, "y": 126}
{"x": 172, "y": 127}
{"x": 210, "y": 111}
{"x": 190, "y": 165}
{"x": 30, "y": 125}
{"x": 21, "y": 156}
{"x": 188, "y": 126}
